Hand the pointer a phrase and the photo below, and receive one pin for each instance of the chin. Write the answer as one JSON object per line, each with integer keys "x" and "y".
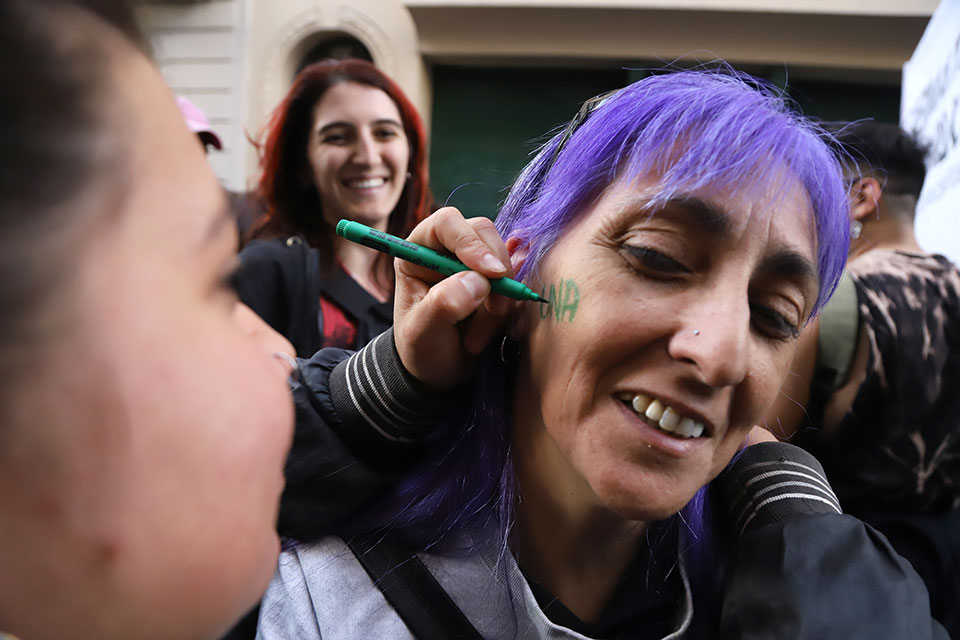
{"x": 260, "y": 564}
{"x": 646, "y": 503}
{"x": 644, "y": 512}
{"x": 371, "y": 218}
{"x": 271, "y": 555}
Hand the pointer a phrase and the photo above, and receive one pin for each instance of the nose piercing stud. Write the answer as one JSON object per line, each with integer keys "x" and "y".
{"x": 696, "y": 332}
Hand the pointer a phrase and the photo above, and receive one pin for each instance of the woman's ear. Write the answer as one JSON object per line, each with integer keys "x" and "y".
{"x": 520, "y": 318}
{"x": 518, "y": 252}
{"x": 865, "y": 200}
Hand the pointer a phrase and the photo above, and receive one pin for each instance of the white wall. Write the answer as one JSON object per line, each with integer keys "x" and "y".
{"x": 200, "y": 50}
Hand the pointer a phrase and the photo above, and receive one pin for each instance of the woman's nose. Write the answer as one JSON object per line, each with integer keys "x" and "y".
{"x": 365, "y": 150}
{"x": 716, "y": 341}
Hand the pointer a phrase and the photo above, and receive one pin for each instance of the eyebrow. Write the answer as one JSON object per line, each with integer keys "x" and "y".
{"x": 793, "y": 265}
{"x": 716, "y": 221}
{"x": 344, "y": 123}
{"x": 713, "y": 219}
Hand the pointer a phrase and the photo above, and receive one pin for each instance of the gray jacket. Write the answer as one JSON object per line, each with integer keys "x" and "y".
{"x": 321, "y": 591}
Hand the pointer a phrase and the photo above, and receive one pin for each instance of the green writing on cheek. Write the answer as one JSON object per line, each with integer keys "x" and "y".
{"x": 564, "y": 297}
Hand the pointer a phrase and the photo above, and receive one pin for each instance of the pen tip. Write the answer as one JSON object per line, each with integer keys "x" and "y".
{"x": 543, "y": 300}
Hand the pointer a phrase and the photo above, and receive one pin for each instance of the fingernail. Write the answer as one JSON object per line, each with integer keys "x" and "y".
{"x": 473, "y": 282}
{"x": 491, "y": 262}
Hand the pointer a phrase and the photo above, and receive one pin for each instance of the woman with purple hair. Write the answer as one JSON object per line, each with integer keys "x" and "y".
{"x": 574, "y": 474}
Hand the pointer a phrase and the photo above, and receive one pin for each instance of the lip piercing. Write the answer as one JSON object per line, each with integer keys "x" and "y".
{"x": 290, "y": 361}
{"x": 696, "y": 332}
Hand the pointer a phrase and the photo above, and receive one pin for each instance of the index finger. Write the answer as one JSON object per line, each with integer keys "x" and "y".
{"x": 491, "y": 237}
{"x": 447, "y": 230}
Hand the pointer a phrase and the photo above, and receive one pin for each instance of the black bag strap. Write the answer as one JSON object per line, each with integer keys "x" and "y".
{"x": 302, "y": 294}
{"x": 411, "y": 589}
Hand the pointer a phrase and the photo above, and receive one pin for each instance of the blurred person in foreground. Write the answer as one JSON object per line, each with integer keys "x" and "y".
{"x": 144, "y": 417}
{"x": 874, "y": 388}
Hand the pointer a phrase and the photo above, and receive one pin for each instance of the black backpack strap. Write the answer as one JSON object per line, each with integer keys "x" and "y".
{"x": 302, "y": 294}
{"x": 428, "y": 611}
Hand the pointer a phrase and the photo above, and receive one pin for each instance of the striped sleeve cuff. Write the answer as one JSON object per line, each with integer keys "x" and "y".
{"x": 379, "y": 402}
{"x": 771, "y": 482}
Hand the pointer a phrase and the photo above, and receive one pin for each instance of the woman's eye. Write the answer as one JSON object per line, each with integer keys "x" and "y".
{"x": 386, "y": 134}
{"x": 333, "y": 138}
{"x": 773, "y": 323}
{"x": 653, "y": 260}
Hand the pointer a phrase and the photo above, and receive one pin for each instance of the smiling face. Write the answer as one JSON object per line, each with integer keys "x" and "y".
{"x": 142, "y": 491}
{"x": 358, "y": 154}
{"x": 685, "y": 318}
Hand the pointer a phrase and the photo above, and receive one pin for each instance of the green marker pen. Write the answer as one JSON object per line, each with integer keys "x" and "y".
{"x": 399, "y": 248}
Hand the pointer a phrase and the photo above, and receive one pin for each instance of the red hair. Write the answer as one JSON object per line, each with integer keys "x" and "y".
{"x": 293, "y": 205}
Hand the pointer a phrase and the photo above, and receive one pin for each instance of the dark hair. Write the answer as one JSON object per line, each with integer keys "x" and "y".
{"x": 57, "y": 152}
{"x": 293, "y": 204}
{"x": 889, "y": 151}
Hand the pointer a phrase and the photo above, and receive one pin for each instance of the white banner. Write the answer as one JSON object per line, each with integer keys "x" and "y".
{"x": 930, "y": 109}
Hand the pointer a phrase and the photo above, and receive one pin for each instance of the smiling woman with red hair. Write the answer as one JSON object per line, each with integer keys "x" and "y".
{"x": 344, "y": 143}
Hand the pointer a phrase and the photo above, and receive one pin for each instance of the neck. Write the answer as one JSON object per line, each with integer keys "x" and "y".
{"x": 358, "y": 261}
{"x": 885, "y": 234}
{"x": 565, "y": 539}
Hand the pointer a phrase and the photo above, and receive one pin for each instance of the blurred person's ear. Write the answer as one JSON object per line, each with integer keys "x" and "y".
{"x": 865, "y": 199}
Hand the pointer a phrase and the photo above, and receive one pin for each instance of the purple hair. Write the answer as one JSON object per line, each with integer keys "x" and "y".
{"x": 694, "y": 129}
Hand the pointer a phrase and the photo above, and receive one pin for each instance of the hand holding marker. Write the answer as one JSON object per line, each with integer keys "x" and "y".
{"x": 428, "y": 258}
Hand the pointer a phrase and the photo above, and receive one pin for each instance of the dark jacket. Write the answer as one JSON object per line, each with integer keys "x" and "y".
{"x": 281, "y": 281}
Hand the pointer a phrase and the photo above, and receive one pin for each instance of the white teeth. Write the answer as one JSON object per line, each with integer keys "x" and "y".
{"x": 640, "y": 402}
{"x": 654, "y": 411}
{"x": 368, "y": 183}
{"x": 696, "y": 429}
{"x": 687, "y": 427}
{"x": 667, "y": 418}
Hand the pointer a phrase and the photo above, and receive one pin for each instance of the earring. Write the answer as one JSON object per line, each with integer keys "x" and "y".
{"x": 409, "y": 175}
{"x": 509, "y": 351}
{"x": 855, "y": 228}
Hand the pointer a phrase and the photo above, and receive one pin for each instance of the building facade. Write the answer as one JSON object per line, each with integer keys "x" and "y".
{"x": 489, "y": 76}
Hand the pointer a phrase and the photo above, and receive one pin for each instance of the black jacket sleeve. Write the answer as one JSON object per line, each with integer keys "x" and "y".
{"x": 802, "y": 570}
{"x": 360, "y": 419}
